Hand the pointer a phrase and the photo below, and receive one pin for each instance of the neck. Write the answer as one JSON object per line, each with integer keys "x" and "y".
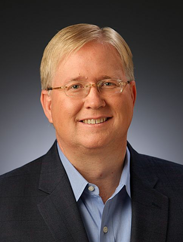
{"x": 102, "y": 167}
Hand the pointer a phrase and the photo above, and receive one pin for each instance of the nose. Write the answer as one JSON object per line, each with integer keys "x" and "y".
{"x": 93, "y": 99}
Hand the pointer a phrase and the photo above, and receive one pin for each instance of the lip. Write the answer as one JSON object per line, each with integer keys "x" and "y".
{"x": 95, "y": 120}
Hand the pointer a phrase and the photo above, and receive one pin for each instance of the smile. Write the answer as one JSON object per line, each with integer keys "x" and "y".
{"x": 94, "y": 121}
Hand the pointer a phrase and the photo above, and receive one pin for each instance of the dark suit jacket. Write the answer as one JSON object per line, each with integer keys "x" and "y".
{"x": 37, "y": 203}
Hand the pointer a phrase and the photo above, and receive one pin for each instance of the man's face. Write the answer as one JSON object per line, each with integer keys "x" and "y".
{"x": 70, "y": 116}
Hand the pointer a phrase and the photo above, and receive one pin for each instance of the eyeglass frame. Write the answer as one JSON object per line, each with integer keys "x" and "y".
{"x": 89, "y": 85}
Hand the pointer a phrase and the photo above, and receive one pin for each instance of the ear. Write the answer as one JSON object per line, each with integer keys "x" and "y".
{"x": 46, "y": 104}
{"x": 133, "y": 91}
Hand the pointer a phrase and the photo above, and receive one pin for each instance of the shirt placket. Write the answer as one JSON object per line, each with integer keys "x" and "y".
{"x": 106, "y": 230}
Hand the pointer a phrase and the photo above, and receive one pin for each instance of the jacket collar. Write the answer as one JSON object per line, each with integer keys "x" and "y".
{"x": 59, "y": 208}
{"x": 149, "y": 207}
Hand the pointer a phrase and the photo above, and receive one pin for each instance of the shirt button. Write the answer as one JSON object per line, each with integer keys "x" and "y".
{"x": 105, "y": 229}
{"x": 91, "y": 188}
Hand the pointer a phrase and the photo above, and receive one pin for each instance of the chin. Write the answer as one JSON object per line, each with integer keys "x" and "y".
{"x": 95, "y": 144}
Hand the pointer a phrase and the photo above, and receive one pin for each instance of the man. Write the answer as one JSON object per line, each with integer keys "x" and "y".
{"x": 91, "y": 186}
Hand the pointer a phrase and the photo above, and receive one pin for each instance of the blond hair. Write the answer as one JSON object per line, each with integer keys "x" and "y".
{"x": 71, "y": 39}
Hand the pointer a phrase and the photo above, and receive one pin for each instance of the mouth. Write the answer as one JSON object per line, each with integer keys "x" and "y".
{"x": 94, "y": 121}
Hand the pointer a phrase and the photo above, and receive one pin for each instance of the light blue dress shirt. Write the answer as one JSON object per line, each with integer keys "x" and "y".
{"x": 109, "y": 222}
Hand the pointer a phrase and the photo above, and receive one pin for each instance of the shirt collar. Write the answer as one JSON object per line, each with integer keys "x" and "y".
{"x": 125, "y": 176}
{"x": 78, "y": 182}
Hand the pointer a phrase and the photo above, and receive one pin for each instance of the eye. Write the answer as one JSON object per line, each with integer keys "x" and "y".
{"x": 75, "y": 86}
{"x": 109, "y": 84}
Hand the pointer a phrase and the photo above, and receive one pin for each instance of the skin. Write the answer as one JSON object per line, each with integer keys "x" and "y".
{"x": 96, "y": 150}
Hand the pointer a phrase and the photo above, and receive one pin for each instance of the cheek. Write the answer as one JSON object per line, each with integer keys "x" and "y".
{"x": 64, "y": 110}
{"x": 124, "y": 110}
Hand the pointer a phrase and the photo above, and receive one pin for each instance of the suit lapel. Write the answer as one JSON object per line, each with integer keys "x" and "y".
{"x": 59, "y": 209}
{"x": 149, "y": 207}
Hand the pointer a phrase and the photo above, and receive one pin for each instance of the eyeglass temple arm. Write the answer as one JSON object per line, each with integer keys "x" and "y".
{"x": 53, "y": 88}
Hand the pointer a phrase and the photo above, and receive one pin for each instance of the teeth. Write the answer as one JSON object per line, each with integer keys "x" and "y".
{"x": 94, "y": 121}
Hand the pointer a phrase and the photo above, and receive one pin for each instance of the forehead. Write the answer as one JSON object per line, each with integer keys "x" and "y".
{"x": 93, "y": 59}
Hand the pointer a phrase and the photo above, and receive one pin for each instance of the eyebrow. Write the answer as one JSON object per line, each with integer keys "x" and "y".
{"x": 103, "y": 77}
{"x": 78, "y": 78}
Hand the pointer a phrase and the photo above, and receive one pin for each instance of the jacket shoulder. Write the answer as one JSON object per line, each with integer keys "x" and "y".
{"x": 14, "y": 182}
{"x": 166, "y": 170}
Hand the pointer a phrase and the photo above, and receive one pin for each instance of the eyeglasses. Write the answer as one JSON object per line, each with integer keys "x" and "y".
{"x": 80, "y": 89}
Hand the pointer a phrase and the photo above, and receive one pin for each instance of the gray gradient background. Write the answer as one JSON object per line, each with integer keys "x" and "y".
{"x": 155, "y": 36}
